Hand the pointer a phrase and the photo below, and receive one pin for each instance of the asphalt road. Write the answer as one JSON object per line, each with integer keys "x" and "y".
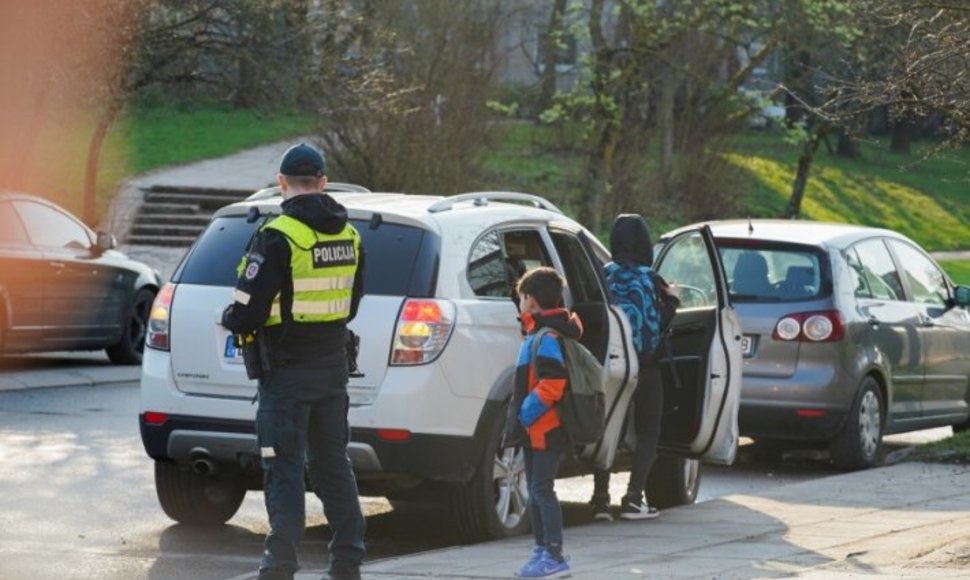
{"x": 77, "y": 498}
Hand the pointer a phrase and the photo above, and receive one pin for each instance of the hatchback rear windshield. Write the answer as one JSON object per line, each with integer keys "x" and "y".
{"x": 772, "y": 272}
{"x": 401, "y": 260}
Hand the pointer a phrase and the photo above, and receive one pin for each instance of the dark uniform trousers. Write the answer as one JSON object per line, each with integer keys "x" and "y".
{"x": 303, "y": 414}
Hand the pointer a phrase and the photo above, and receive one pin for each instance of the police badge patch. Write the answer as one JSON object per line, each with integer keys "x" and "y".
{"x": 251, "y": 270}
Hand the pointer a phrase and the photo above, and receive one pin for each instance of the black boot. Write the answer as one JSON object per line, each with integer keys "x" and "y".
{"x": 342, "y": 571}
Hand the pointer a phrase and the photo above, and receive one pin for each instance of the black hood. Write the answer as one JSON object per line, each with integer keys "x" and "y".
{"x": 630, "y": 240}
{"x": 317, "y": 210}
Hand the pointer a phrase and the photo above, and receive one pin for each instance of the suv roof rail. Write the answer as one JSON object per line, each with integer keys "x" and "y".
{"x": 481, "y": 198}
{"x": 332, "y": 187}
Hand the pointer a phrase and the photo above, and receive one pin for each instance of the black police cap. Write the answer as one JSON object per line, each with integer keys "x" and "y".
{"x": 302, "y": 160}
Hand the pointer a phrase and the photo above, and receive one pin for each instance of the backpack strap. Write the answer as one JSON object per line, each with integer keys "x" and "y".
{"x": 536, "y": 338}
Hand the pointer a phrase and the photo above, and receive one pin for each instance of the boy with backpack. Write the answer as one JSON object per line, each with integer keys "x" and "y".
{"x": 650, "y": 305}
{"x": 534, "y": 422}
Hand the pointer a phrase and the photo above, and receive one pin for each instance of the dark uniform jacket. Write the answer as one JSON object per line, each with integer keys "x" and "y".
{"x": 267, "y": 272}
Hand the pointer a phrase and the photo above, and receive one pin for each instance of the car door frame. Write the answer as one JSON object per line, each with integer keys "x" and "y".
{"x": 620, "y": 365}
{"x": 716, "y": 437}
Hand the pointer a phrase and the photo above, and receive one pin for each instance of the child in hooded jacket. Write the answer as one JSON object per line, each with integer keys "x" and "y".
{"x": 536, "y": 425}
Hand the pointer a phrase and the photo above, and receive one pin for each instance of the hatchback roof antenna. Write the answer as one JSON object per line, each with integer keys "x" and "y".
{"x": 750, "y": 226}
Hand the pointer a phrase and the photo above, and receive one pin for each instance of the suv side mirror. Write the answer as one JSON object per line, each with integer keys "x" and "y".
{"x": 105, "y": 242}
{"x": 961, "y": 296}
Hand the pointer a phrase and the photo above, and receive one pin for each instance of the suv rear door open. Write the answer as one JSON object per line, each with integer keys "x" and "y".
{"x": 701, "y": 408}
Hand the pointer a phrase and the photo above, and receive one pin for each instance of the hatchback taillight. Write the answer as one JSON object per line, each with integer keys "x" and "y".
{"x": 820, "y": 326}
{"x": 158, "y": 320}
{"x": 423, "y": 328}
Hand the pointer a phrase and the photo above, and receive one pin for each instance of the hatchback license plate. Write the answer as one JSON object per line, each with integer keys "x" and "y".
{"x": 232, "y": 354}
{"x": 747, "y": 346}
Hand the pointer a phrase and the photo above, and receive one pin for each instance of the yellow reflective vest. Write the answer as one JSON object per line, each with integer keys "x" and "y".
{"x": 323, "y": 267}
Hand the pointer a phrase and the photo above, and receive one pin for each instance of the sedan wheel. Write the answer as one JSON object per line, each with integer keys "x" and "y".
{"x": 857, "y": 446}
{"x": 129, "y": 350}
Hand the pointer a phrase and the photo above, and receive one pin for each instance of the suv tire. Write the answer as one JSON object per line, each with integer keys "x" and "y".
{"x": 196, "y": 499}
{"x": 857, "y": 446}
{"x": 499, "y": 485}
{"x": 673, "y": 481}
{"x": 129, "y": 349}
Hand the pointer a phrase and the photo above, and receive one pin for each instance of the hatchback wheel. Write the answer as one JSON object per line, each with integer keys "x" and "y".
{"x": 857, "y": 446}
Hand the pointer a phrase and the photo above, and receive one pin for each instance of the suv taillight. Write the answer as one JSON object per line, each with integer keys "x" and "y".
{"x": 423, "y": 329}
{"x": 820, "y": 326}
{"x": 158, "y": 321}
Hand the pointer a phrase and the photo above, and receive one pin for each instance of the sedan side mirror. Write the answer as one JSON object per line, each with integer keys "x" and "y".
{"x": 105, "y": 242}
{"x": 961, "y": 296}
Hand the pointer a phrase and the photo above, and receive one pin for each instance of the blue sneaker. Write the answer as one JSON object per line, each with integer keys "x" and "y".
{"x": 546, "y": 566}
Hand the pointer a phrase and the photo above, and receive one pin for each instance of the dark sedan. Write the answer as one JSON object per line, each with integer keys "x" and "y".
{"x": 65, "y": 287}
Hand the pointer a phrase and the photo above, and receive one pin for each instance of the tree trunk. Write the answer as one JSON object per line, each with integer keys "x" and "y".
{"x": 801, "y": 175}
{"x": 550, "y": 53}
{"x": 902, "y": 137}
{"x": 94, "y": 162}
{"x": 847, "y": 146}
{"x": 665, "y": 118}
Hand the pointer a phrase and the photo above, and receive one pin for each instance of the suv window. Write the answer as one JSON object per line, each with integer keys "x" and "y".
{"x": 926, "y": 281}
{"x": 582, "y": 280}
{"x": 878, "y": 272}
{"x": 498, "y": 259}
{"x": 392, "y": 268}
{"x": 773, "y": 272}
{"x": 687, "y": 265}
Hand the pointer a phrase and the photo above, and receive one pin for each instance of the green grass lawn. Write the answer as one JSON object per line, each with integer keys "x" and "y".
{"x": 925, "y": 199}
{"x": 955, "y": 449}
{"x": 959, "y": 271}
{"x": 143, "y": 139}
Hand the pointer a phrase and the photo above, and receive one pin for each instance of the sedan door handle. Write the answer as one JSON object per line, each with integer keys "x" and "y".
{"x": 926, "y": 320}
{"x": 57, "y": 265}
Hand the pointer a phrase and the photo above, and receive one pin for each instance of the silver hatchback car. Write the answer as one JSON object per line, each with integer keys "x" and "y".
{"x": 850, "y": 333}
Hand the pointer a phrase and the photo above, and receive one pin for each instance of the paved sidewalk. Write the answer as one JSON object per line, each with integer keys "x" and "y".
{"x": 910, "y": 520}
{"x": 62, "y": 370}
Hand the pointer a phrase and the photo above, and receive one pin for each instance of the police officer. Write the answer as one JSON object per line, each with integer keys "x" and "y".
{"x": 299, "y": 285}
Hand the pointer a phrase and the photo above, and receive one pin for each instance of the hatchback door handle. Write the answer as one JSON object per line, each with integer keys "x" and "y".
{"x": 926, "y": 320}
{"x": 57, "y": 265}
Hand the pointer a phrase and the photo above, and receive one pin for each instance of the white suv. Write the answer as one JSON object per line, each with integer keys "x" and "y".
{"x": 439, "y": 340}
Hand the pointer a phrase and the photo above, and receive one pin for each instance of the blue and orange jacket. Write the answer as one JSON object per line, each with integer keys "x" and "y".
{"x": 533, "y": 418}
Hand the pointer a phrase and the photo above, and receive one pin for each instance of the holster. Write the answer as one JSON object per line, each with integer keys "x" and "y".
{"x": 353, "y": 347}
{"x": 256, "y": 354}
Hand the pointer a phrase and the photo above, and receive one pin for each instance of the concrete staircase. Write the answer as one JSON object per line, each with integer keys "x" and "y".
{"x": 175, "y": 215}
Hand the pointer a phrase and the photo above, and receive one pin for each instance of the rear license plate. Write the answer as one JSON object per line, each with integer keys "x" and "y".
{"x": 232, "y": 354}
{"x": 747, "y": 346}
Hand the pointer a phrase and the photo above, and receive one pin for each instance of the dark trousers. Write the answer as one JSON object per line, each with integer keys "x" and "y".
{"x": 647, "y": 416}
{"x": 302, "y": 427}
{"x": 541, "y": 468}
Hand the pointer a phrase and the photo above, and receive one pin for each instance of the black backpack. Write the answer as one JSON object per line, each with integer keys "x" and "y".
{"x": 582, "y": 408}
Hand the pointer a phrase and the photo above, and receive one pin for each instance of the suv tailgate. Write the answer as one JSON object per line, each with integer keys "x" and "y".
{"x": 204, "y": 363}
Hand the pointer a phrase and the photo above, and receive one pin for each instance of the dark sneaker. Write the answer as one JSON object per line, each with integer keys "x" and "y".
{"x": 637, "y": 510}
{"x": 602, "y": 512}
{"x": 275, "y": 574}
{"x": 339, "y": 571}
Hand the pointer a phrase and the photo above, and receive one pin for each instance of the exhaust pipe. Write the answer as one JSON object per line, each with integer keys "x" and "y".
{"x": 201, "y": 462}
